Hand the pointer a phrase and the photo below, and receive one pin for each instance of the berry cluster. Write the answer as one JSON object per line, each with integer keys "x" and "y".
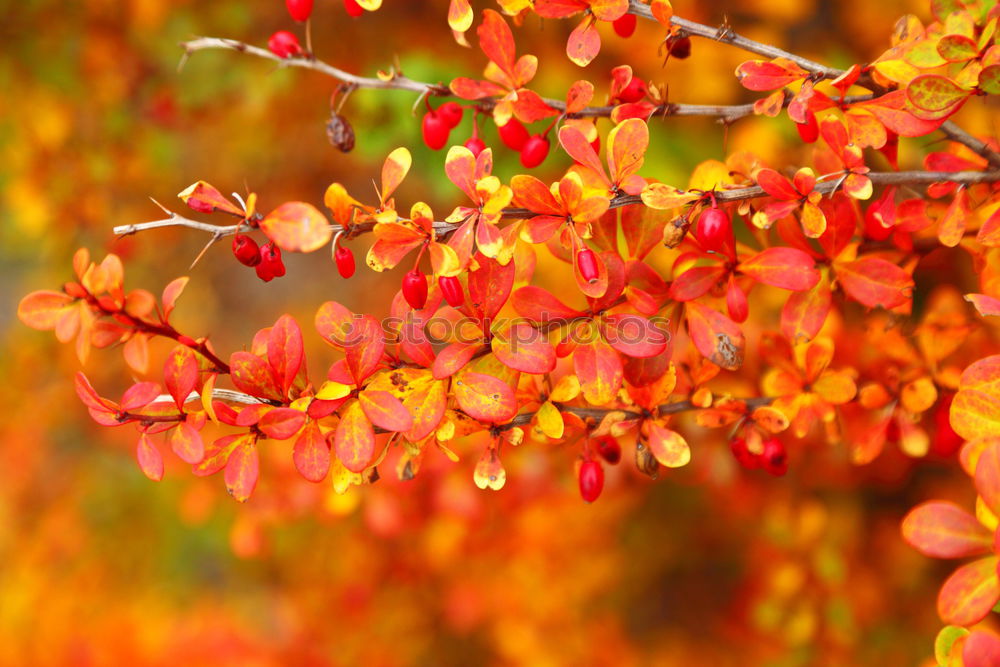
{"x": 265, "y": 259}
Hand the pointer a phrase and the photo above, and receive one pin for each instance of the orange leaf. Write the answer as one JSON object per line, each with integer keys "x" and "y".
{"x": 297, "y": 227}
{"x": 716, "y": 336}
{"x": 394, "y": 170}
{"x": 873, "y": 282}
{"x": 951, "y": 226}
{"x": 600, "y": 371}
{"x": 284, "y": 351}
{"x": 579, "y": 96}
{"x": 497, "y": 41}
{"x": 787, "y": 268}
{"x": 485, "y": 397}
{"x": 768, "y": 75}
{"x": 171, "y": 293}
{"x": 426, "y": 404}
{"x": 804, "y": 313}
{"x": 576, "y": 145}
{"x": 627, "y": 144}
{"x": 584, "y": 43}
{"x": 43, "y": 309}
{"x": 969, "y": 593}
{"x": 242, "y": 471}
{"x": 180, "y": 374}
{"x": 944, "y": 530}
{"x": 354, "y": 440}
{"x": 204, "y": 198}
{"x": 986, "y": 305}
{"x": 524, "y": 348}
{"x": 662, "y": 196}
{"x": 531, "y": 193}
{"x": 669, "y": 447}
{"x": 251, "y": 375}
{"x": 282, "y": 423}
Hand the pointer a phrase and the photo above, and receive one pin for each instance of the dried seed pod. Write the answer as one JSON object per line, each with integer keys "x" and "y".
{"x": 340, "y": 133}
{"x": 645, "y": 461}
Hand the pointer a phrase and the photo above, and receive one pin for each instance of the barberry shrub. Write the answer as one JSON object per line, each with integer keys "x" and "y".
{"x": 767, "y": 301}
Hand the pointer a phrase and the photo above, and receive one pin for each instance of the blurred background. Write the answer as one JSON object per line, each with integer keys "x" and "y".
{"x": 709, "y": 565}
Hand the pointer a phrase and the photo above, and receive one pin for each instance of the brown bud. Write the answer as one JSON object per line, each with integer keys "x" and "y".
{"x": 675, "y": 230}
{"x": 340, "y": 133}
{"x": 645, "y": 461}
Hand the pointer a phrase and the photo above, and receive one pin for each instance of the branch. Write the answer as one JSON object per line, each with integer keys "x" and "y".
{"x": 726, "y": 35}
{"x": 955, "y": 133}
{"x": 738, "y": 194}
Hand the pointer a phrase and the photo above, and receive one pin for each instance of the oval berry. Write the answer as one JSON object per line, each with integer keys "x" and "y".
{"x": 809, "y": 130}
{"x": 774, "y": 458}
{"x": 634, "y": 91}
{"x": 715, "y": 231}
{"x": 609, "y": 449}
{"x": 451, "y": 287}
{"x": 591, "y": 480}
{"x": 451, "y": 113}
{"x": 736, "y": 302}
{"x": 476, "y": 145}
{"x": 535, "y": 150}
{"x": 245, "y": 250}
{"x": 284, "y": 44}
{"x": 415, "y": 288}
{"x": 586, "y": 260}
{"x": 513, "y": 135}
{"x": 345, "y": 261}
{"x": 300, "y": 10}
{"x": 435, "y": 131}
{"x": 624, "y": 25}
{"x": 680, "y": 48}
{"x": 353, "y": 8}
{"x": 743, "y": 455}
{"x": 271, "y": 266}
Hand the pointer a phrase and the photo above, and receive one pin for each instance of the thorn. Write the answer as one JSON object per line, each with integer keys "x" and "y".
{"x": 162, "y": 207}
{"x": 215, "y": 237}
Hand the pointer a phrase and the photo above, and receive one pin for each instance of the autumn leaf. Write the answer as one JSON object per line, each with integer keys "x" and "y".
{"x": 874, "y": 282}
{"x": 970, "y": 592}
{"x": 242, "y": 470}
{"x": 945, "y": 530}
{"x": 354, "y": 439}
{"x": 297, "y": 227}
{"x": 485, "y": 397}
{"x": 311, "y": 453}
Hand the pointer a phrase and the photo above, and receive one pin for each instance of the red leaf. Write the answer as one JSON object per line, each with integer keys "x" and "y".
{"x": 180, "y": 374}
{"x": 281, "y": 423}
{"x": 524, "y": 348}
{"x": 218, "y": 452}
{"x": 365, "y": 346}
{"x": 540, "y": 305}
{"x": 969, "y": 593}
{"x": 776, "y": 185}
{"x": 140, "y": 394}
{"x": 804, "y": 313}
{"x": 768, "y": 75}
{"x": 354, "y": 440}
{"x": 385, "y": 410}
{"x": 695, "y": 282}
{"x": 453, "y": 358}
{"x": 986, "y": 305}
{"x": 311, "y": 454}
{"x": 150, "y": 460}
{"x": 242, "y": 470}
{"x": 496, "y": 40}
{"x": 187, "y": 443}
{"x": 489, "y": 287}
{"x": 981, "y": 649}
{"x": 204, "y": 198}
{"x": 787, "y": 268}
{"x": 987, "y": 476}
{"x": 284, "y": 351}
{"x": 485, "y": 397}
{"x": 873, "y": 282}
{"x": 584, "y": 42}
{"x": 633, "y": 335}
{"x": 944, "y": 530}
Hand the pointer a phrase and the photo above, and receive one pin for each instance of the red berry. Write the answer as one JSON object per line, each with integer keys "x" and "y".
{"x": 284, "y": 44}
{"x": 436, "y": 131}
{"x": 774, "y": 458}
{"x": 299, "y": 9}
{"x": 245, "y": 249}
{"x": 634, "y": 91}
{"x": 451, "y": 112}
{"x": 809, "y": 130}
{"x": 743, "y": 455}
{"x": 624, "y": 25}
{"x": 270, "y": 266}
{"x": 680, "y": 47}
{"x": 353, "y": 8}
{"x": 535, "y": 150}
{"x": 451, "y": 287}
{"x": 609, "y": 449}
{"x": 586, "y": 260}
{"x": 945, "y": 441}
{"x": 591, "y": 480}
{"x": 513, "y": 135}
{"x": 476, "y": 145}
{"x": 345, "y": 261}
{"x": 715, "y": 231}
{"x": 415, "y": 288}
